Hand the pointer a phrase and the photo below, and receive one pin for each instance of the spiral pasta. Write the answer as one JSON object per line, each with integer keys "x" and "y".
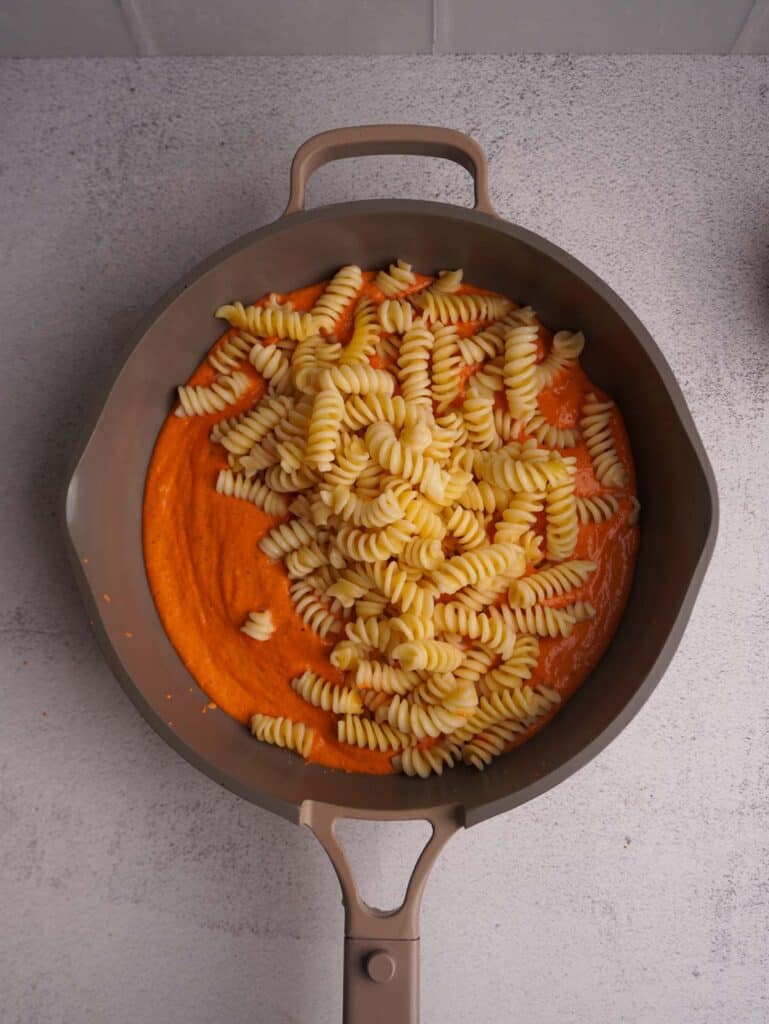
{"x": 365, "y": 732}
{"x": 426, "y": 761}
{"x": 520, "y": 375}
{"x": 455, "y": 309}
{"x": 562, "y": 519}
{"x": 323, "y": 694}
{"x": 564, "y": 353}
{"x": 271, "y": 321}
{"x": 312, "y": 609}
{"x": 203, "y": 399}
{"x": 597, "y": 508}
{"x": 396, "y": 316}
{"x": 365, "y": 333}
{"x": 596, "y": 428}
{"x": 446, "y": 366}
{"x": 323, "y": 433}
{"x": 283, "y": 732}
{"x": 481, "y": 564}
{"x": 235, "y": 485}
{"x": 414, "y": 362}
{"x": 259, "y": 625}
{"x": 240, "y": 433}
{"x": 340, "y": 292}
{"x": 231, "y": 352}
{"x": 397, "y": 279}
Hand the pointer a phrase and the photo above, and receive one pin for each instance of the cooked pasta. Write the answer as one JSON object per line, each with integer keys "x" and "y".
{"x": 259, "y": 625}
{"x": 455, "y": 309}
{"x": 323, "y": 694}
{"x": 271, "y": 321}
{"x": 340, "y": 292}
{"x": 597, "y": 508}
{"x": 283, "y": 732}
{"x": 397, "y": 279}
{"x": 204, "y": 399}
{"x": 596, "y": 425}
{"x": 235, "y": 485}
{"x": 445, "y": 492}
{"x": 231, "y": 352}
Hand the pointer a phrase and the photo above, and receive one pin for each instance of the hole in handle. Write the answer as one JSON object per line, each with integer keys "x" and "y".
{"x": 382, "y": 855}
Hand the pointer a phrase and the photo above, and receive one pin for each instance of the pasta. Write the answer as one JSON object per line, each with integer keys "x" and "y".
{"x": 269, "y": 321}
{"x": 597, "y": 508}
{"x": 339, "y": 293}
{"x": 399, "y": 277}
{"x": 596, "y": 426}
{"x": 204, "y": 399}
{"x": 259, "y": 625}
{"x": 455, "y": 309}
{"x": 282, "y": 732}
{"x": 231, "y": 352}
{"x": 323, "y": 694}
{"x": 433, "y": 514}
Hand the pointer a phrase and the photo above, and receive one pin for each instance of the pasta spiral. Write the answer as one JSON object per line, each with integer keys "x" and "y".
{"x": 597, "y": 508}
{"x": 363, "y": 732}
{"x": 564, "y": 353}
{"x": 396, "y": 316}
{"x": 479, "y": 418}
{"x": 282, "y": 732}
{"x": 203, "y": 399}
{"x": 323, "y": 694}
{"x": 240, "y": 433}
{"x": 562, "y": 519}
{"x": 365, "y": 333}
{"x": 446, "y": 365}
{"x": 257, "y": 492}
{"x": 413, "y": 364}
{"x": 433, "y": 655}
{"x": 311, "y": 609}
{"x": 268, "y": 321}
{"x": 375, "y": 675}
{"x": 480, "y": 564}
{"x": 596, "y": 428}
{"x": 231, "y": 352}
{"x": 426, "y": 761}
{"x": 258, "y": 625}
{"x": 551, "y": 582}
{"x": 357, "y": 379}
{"x": 399, "y": 277}
{"x": 520, "y": 371}
{"x": 544, "y": 621}
{"x": 339, "y": 293}
{"x": 455, "y": 309}
{"x": 323, "y": 433}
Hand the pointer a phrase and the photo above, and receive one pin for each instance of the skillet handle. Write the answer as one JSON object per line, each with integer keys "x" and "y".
{"x": 381, "y": 948}
{"x": 385, "y": 139}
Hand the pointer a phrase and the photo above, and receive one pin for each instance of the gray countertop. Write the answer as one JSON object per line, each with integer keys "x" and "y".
{"x": 133, "y": 888}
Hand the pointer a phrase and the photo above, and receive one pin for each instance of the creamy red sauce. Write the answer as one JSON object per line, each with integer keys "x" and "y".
{"x": 206, "y": 571}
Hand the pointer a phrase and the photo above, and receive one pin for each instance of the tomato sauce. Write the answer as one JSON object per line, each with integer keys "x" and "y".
{"x": 207, "y": 572}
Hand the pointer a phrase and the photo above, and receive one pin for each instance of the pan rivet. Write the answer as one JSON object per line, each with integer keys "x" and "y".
{"x": 380, "y": 966}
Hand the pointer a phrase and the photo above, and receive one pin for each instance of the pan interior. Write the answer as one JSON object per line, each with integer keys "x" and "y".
{"x": 104, "y": 498}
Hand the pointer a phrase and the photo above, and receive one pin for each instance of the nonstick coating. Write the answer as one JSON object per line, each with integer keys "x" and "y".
{"x": 675, "y": 482}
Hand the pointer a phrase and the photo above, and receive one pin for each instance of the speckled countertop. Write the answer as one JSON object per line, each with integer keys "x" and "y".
{"x": 133, "y": 888}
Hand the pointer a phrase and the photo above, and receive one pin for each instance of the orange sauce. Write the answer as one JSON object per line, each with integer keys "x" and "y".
{"x": 207, "y": 572}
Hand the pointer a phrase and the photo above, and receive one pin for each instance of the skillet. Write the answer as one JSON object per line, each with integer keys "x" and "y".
{"x": 103, "y": 524}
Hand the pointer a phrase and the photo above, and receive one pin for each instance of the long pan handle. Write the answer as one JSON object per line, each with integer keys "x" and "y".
{"x": 384, "y": 139}
{"x": 381, "y": 949}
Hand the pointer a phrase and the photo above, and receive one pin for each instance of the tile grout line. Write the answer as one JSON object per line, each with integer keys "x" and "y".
{"x": 138, "y": 28}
